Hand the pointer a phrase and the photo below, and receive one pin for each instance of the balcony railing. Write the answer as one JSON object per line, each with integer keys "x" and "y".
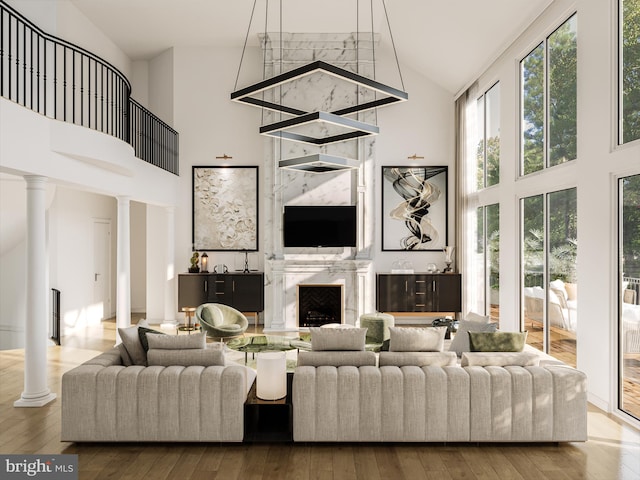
{"x": 65, "y": 82}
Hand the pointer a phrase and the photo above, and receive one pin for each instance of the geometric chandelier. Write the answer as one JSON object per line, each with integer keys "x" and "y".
{"x": 317, "y": 127}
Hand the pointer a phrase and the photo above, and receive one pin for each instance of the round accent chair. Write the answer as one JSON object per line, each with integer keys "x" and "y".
{"x": 220, "y": 321}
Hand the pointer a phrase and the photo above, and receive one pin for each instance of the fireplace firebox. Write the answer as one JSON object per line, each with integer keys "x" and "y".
{"x": 319, "y": 305}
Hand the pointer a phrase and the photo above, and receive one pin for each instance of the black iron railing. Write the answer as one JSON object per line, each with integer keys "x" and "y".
{"x": 63, "y": 81}
{"x": 153, "y": 140}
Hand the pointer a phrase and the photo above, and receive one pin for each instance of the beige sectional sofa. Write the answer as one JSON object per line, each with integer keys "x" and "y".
{"x": 432, "y": 396}
{"x": 105, "y": 401}
{"x": 439, "y": 404}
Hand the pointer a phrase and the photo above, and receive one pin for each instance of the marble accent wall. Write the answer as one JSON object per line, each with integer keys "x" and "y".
{"x": 285, "y": 269}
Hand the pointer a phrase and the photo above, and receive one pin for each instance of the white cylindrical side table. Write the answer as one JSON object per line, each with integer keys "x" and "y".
{"x": 272, "y": 375}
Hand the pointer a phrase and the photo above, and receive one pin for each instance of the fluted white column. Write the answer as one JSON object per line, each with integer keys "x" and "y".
{"x": 123, "y": 283}
{"x": 170, "y": 270}
{"x": 36, "y": 392}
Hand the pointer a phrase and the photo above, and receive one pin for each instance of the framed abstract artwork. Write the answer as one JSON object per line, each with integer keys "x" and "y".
{"x": 414, "y": 208}
{"x": 225, "y": 208}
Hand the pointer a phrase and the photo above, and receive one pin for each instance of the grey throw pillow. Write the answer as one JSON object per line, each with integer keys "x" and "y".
{"x": 205, "y": 357}
{"x": 337, "y": 338}
{"x": 412, "y": 339}
{"x": 142, "y": 333}
{"x": 131, "y": 341}
{"x": 177, "y": 342}
{"x": 460, "y": 342}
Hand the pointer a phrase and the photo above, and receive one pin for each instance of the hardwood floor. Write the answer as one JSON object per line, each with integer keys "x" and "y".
{"x": 612, "y": 451}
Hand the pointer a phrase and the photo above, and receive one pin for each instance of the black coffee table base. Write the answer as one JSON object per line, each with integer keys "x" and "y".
{"x": 268, "y": 420}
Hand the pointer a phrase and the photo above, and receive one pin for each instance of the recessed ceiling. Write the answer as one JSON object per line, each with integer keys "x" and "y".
{"x": 449, "y": 41}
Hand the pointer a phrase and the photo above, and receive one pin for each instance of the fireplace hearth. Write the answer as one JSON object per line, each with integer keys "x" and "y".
{"x": 319, "y": 305}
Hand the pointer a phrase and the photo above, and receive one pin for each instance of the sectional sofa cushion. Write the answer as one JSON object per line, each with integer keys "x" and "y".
{"x": 336, "y": 359}
{"x": 497, "y": 341}
{"x": 205, "y": 357}
{"x": 418, "y": 359}
{"x": 337, "y": 338}
{"x": 413, "y": 339}
{"x": 131, "y": 341}
{"x": 177, "y": 342}
{"x": 499, "y": 359}
{"x": 460, "y": 342}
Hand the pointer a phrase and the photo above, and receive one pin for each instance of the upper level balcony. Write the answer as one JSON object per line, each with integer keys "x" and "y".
{"x": 65, "y": 82}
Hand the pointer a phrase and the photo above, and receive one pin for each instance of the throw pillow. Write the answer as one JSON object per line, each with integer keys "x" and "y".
{"x": 337, "y": 338}
{"x": 411, "y": 339}
{"x": 460, "y": 342}
{"x": 474, "y": 317}
{"x": 124, "y": 355}
{"x": 142, "y": 333}
{"x": 497, "y": 341}
{"x": 177, "y": 342}
{"x": 499, "y": 359}
{"x": 418, "y": 359}
{"x": 186, "y": 357}
{"x": 131, "y": 341}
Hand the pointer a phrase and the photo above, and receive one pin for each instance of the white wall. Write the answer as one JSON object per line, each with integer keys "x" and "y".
{"x": 594, "y": 175}
{"x": 71, "y": 219}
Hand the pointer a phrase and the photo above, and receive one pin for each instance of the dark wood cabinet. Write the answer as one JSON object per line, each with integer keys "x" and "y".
{"x": 419, "y": 293}
{"x": 242, "y": 291}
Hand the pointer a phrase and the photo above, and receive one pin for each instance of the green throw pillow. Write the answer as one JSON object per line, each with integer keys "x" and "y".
{"x": 497, "y": 341}
{"x": 142, "y": 333}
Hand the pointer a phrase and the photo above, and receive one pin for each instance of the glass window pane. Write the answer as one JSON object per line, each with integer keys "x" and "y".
{"x": 562, "y": 61}
{"x": 493, "y": 261}
{"x": 480, "y": 150}
{"x": 479, "y": 261}
{"x": 562, "y": 234}
{"x": 532, "y": 71}
{"x": 630, "y": 70}
{"x": 533, "y": 294}
{"x": 629, "y": 325}
{"x": 493, "y": 135}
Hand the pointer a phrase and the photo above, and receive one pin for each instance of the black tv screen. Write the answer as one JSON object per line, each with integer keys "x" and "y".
{"x": 319, "y": 226}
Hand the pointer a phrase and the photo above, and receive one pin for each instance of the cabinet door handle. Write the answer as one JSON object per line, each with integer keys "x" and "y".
{"x": 406, "y": 285}
{"x": 206, "y": 286}
{"x": 433, "y": 285}
{"x": 420, "y": 281}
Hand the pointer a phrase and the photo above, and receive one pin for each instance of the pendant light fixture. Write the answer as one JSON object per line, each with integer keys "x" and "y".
{"x": 318, "y": 127}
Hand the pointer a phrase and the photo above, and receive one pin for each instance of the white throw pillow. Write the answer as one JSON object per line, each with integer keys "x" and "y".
{"x": 499, "y": 359}
{"x": 475, "y": 317}
{"x": 337, "y": 338}
{"x": 177, "y": 342}
{"x": 418, "y": 359}
{"x": 413, "y": 339}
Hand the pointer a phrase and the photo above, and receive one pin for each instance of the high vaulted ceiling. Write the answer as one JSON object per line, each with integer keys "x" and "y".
{"x": 448, "y": 41}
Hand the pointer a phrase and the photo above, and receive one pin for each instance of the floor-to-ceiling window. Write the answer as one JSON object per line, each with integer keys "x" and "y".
{"x": 488, "y": 261}
{"x": 629, "y": 288}
{"x": 548, "y": 101}
{"x": 487, "y": 174}
{"x": 549, "y": 240}
{"x": 629, "y": 71}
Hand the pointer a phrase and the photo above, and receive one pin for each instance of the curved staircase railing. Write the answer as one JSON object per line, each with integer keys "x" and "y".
{"x": 65, "y": 82}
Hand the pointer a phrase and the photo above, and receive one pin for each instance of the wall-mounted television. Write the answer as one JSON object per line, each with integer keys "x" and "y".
{"x": 319, "y": 226}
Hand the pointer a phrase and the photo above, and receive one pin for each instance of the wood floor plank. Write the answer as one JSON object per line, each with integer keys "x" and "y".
{"x": 612, "y": 452}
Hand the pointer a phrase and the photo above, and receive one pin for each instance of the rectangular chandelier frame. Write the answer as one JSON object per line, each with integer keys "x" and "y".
{"x": 352, "y": 128}
{"x": 319, "y": 163}
{"x": 390, "y": 95}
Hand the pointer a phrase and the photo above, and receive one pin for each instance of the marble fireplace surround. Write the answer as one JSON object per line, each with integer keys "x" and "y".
{"x": 351, "y": 267}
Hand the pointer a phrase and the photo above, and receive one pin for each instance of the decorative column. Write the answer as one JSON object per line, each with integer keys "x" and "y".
{"x": 123, "y": 283}
{"x": 170, "y": 270}
{"x": 36, "y": 392}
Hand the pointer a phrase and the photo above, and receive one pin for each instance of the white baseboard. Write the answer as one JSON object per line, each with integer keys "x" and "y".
{"x": 598, "y": 402}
